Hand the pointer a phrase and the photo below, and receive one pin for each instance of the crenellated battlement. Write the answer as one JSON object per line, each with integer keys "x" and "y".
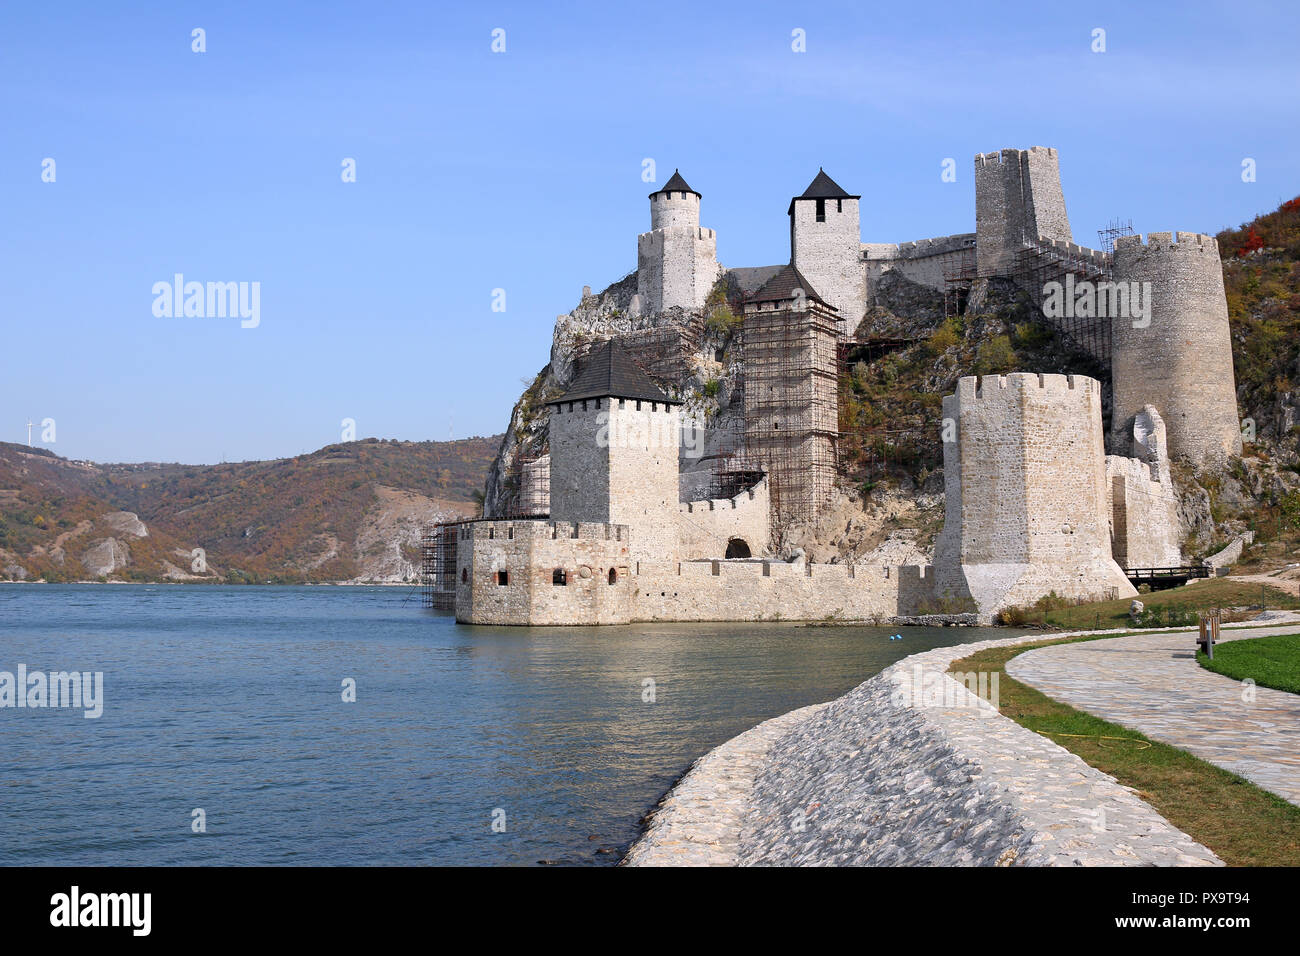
{"x": 917, "y": 249}
{"x": 1003, "y": 156}
{"x": 509, "y": 530}
{"x": 1187, "y": 243}
{"x": 1009, "y": 388}
{"x": 1096, "y": 257}
{"x": 721, "y": 504}
{"x": 760, "y": 590}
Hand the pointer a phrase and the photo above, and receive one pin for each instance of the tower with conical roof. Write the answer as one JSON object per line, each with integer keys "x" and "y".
{"x": 614, "y": 437}
{"x": 826, "y": 247}
{"x": 677, "y": 261}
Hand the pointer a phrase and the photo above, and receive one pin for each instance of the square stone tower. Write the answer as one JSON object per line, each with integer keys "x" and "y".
{"x": 614, "y": 453}
{"x": 676, "y": 261}
{"x": 1028, "y": 504}
{"x": 826, "y": 247}
{"x": 791, "y": 394}
{"x": 1018, "y": 199}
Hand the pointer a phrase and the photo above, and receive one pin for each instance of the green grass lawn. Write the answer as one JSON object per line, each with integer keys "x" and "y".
{"x": 1268, "y": 661}
{"x": 1198, "y": 596}
{"x": 1242, "y": 823}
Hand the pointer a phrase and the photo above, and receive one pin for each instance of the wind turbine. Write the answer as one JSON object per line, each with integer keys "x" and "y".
{"x": 29, "y": 433}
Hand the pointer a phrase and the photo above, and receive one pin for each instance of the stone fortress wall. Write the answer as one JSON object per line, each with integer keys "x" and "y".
{"x": 705, "y": 528}
{"x": 508, "y": 573}
{"x": 927, "y": 262}
{"x": 1180, "y": 361}
{"x": 1027, "y": 503}
{"x": 559, "y": 573}
{"x": 1145, "y": 528}
{"x": 778, "y": 591}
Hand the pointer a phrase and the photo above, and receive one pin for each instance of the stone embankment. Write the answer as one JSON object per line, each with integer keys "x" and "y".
{"x": 909, "y": 768}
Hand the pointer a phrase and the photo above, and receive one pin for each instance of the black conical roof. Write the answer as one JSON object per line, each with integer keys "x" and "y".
{"x": 782, "y": 286}
{"x": 675, "y": 184}
{"x": 609, "y": 372}
{"x": 822, "y": 187}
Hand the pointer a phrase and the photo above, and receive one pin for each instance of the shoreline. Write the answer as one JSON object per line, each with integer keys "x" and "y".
{"x": 877, "y": 778}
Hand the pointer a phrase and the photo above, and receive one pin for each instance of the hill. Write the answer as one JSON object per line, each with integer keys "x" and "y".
{"x": 348, "y": 512}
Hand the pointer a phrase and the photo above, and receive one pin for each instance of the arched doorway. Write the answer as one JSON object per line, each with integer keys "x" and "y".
{"x": 737, "y": 548}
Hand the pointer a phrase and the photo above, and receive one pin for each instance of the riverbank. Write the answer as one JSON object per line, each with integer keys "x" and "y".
{"x": 909, "y": 768}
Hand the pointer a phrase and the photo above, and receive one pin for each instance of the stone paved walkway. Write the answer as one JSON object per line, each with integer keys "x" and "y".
{"x": 890, "y": 774}
{"x": 1153, "y": 684}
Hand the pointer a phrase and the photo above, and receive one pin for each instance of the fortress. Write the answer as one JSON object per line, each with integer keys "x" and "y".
{"x": 1034, "y": 504}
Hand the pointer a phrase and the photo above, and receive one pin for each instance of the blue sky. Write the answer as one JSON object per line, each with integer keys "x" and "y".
{"x": 522, "y": 171}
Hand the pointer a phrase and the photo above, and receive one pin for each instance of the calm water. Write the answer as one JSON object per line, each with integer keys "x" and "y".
{"x": 229, "y": 699}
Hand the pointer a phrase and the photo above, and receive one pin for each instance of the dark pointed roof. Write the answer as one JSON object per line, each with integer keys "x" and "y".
{"x": 822, "y": 187}
{"x": 609, "y": 372}
{"x": 675, "y": 184}
{"x": 782, "y": 286}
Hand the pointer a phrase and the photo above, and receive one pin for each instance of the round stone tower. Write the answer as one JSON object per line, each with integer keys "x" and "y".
{"x": 676, "y": 261}
{"x": 1176, "y": 352}
{"x": 1027, "y": 502}
{"x": 677, "y": 204}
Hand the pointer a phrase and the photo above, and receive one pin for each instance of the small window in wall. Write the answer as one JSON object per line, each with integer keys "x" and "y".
{"x": 559, "y": 578}
{"x": 839, "y": 205}
{"x": 738, "y": 548}
{"x": 503, "y": 578}
{"x": 464, "y": 575}
{"x": 613, "y": 576}
{"x": 821, "y": 210}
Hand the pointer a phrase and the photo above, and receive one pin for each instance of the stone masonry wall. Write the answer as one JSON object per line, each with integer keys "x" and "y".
{"x": 777, "y": 591}
{"x": 1144, "y": 525}
{"x": 529, "y": 553}
{"x": 1027, "y": 503}
{"x": 828, "y": 255}
{"x": 1018, "y": 199}
{"x": 616, "y": 460}
{"x": 579, "y": 485}
{"x": 926, "y": 262}
{"x": 1181, "y": 362}
{"x": 705, "y": 527}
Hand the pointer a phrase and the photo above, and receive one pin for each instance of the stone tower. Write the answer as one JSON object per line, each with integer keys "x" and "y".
{"x": 791, "y": 399}
{"x": 1179, "y": 359}
{"x": 614, "y": 439}
{"x": 1027, "y": 500}
{"x": 826, "y": 247}
{"x": 676, "y": 261}
{"x": 1018, "y": 199}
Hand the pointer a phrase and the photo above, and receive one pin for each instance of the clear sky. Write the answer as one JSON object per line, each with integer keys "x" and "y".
{"x": 522, "y": 171}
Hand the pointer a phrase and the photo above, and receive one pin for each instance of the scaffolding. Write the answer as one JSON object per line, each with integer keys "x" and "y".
{"x": 1040, "y": 264}
{"x": 1106, "y": 237}
{"x": 661, "y": 351}
{"x": 528, "y": 486}
{"x": 791, "y": 409}
{"x": 958, "y": 276}
{"x": 438, "y": 564}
